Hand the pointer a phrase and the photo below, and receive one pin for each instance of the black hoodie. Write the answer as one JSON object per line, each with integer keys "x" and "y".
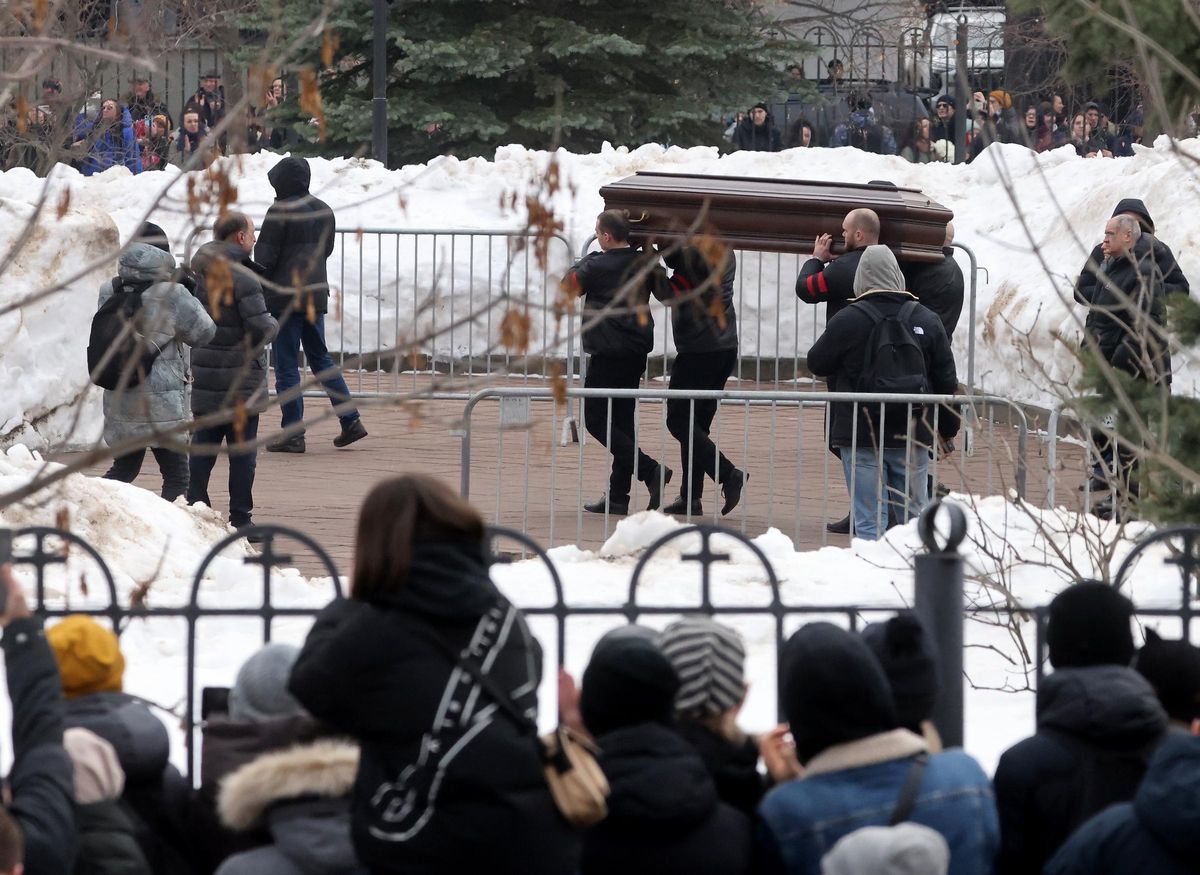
{"x": 296, "y": 238}
{"x": 1097, "y": 728}
{"x": 447, "y": 782}
{"x": 664, "y": 816}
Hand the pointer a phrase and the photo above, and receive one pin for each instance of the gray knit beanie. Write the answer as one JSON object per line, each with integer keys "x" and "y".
{"x": 903, "y": 849}
{"x": 260, "y": 692}
{"x": 710, "y": 661}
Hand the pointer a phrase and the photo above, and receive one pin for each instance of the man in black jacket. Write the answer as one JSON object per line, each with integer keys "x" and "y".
{"x": 297, "y": 237}
{"x": 230, "y": 370}
{"x": 704, "y": 326}
{"x": 757, "y": 132}
{"x": 618, "y": 334}
{"x": 888, "y": 454}
{"x": 831, "y": 281}
{"x": 1124, "y": 326}
{"x": 42, "y": 777}
{"x": 1098, "y": 723}
{"x": 939, "y": 285}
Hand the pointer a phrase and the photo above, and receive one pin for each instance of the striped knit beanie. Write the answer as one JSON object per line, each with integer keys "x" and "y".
{"x": 710, "y": 660}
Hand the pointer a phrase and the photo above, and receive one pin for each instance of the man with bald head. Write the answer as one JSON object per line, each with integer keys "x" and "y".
{"x": 824, "y": 279}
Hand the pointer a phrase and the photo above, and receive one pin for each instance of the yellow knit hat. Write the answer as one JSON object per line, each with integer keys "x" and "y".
{"x": 88, "y": 655}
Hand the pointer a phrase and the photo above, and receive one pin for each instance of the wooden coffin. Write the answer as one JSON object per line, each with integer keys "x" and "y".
{"x": 775, "y": 215}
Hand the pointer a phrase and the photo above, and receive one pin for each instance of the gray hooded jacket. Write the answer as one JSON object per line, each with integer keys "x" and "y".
{"x": 175, "y": 321}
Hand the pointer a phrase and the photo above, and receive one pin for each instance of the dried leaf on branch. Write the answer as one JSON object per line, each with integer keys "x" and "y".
{"x": 515, "y": 330}
{"x": 558, "y": 385}
{"x": 64, "y": 203}
{"x": 310, "y": 99}
{"x": 219, "y": 280}
{"x": 240, "y": 419}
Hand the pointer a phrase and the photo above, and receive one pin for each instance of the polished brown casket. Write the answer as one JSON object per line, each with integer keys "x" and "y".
{"x": 775, "y": 215}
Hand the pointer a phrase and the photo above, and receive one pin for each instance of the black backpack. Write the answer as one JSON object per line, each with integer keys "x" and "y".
{"x": 118, "y": 354}
{"x": 893, "y": 360}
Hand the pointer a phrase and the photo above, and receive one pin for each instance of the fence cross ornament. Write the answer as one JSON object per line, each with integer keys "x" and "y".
{"x": 1187, "y": 560}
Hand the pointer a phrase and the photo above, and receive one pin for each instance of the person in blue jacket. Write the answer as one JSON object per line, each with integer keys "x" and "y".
{"x": 109, "y": 139}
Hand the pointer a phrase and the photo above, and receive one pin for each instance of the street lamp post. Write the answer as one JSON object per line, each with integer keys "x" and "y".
{"x": 379, "y": 76}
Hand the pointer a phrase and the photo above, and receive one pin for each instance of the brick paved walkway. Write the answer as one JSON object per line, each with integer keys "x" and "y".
{"x": 522, "y": 478}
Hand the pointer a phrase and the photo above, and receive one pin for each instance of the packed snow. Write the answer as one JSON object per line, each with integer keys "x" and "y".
{"x": 142, "y": 539}
{"x": 1006, "y": 204}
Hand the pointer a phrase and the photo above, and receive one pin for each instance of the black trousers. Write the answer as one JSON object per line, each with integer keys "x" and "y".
{"x": 172, "y": 465}
{"x": 617, "y": 372}
{"x": 205, "y": 444}
{"x": 689, "y": 421}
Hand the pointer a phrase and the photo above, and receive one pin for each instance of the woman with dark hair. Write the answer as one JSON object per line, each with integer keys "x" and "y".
{"x": 1080, "y": 133}
{"x": 107, "y": 139}
{"x": 411, "y": 666}
{"x": 920, "y": 147}
{"x": 192, "y": 137}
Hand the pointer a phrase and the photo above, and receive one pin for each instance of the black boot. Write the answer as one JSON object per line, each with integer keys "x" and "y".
{"x": 293, "y": 444}
{"x": 355, "y": 431}
{"x": 655, "y": 485}
{"x": 679, "y": 507}
{"x": 732, "y": 489}
{"x": 615, "y": 506}
{"x": 841, "y": 527}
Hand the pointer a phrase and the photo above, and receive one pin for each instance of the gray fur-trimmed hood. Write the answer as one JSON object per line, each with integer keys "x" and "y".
{"x": 322, "y": 769}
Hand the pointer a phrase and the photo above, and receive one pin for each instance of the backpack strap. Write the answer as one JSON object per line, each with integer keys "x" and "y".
{"x": 908, "y": 793}
{"x": 871, "y": 310}
{"x": 907, "y": 310}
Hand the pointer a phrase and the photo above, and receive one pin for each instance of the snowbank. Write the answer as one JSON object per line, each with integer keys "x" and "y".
{"x": 143, "y": 538}
{"x": 1063, "y": 202}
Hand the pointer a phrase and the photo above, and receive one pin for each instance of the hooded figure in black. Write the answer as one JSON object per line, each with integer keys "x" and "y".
{"x": 757, "y": 132}
{"x": 1098, "y": 723}
{"x": 448, "y": 781}
{"x": 664, "y": 816}
{"x": 1158, "y": 833}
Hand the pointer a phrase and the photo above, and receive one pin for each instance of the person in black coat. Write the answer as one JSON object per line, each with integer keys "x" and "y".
{"x": 939, "y": 285}
{"x": 1098, "y": 723}
{"x": 704, "y": 326}
{"x": 757, "y": 132}
{"x": 38, "y": 813}
{"x": 447, "y": 781}
{"x": 901, "y": 441}
{"x": 298, "y": 234}
{"x": 231, "y": 368}
{"x": 664, "y": 815}
{"x": 618, "y": 334}
{"x": 1158, "y": 833}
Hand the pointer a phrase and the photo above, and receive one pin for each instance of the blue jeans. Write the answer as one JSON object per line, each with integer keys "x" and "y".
{"x": 294, "y": 332}
{"x": 206, "y": 443}
{"x": 870, "y": 514}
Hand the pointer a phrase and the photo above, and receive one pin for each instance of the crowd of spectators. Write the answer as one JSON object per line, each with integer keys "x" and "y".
{"x": 398, "y": 739}
{"x": 924, "y": 129}
{"x": 137, "y": 131}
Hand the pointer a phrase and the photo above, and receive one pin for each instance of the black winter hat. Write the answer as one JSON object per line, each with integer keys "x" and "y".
{"x": 910, "y": 661}
{"x": 1137, "y": 207}
{"x": 154, "y": 235}
{"x": 1088, "y": 625}
{"x": 946, "y": 98}
{"x": 834, "y": 690}
{"x": 628, "y": 681}
{"x": 1173, "y": 669}
{"x": 761, "y": 106}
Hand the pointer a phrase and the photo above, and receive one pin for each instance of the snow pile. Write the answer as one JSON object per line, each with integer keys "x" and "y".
{"x": 1005, "y": 204}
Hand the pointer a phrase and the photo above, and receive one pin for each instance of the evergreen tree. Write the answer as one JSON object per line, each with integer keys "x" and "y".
{"x": 467, "y": 76}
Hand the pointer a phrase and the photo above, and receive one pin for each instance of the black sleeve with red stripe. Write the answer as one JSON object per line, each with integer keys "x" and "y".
{"x": 812, "y": 286}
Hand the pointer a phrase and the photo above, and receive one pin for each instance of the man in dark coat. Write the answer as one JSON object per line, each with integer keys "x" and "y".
{"x": 297, "y": 237}
{"x": 1098, "y": 723}
{"x": 824, "y": 279}
{"x": 900, "y": 442}
{"x": 1158, "y": 833}
{"x": 704, "y": 327}
{"x": 231, "y": 369}
{"x": 664, "y": 815}
{"x": 1124, "y": 329}
{"x": 41, "y": 782}
{"x": 757, "y": 132}
{"x": 943, "y": 125}
{"x": 209, "y": 100}
{"x": 618, "y": 334}
{"x": 939, "y": 285}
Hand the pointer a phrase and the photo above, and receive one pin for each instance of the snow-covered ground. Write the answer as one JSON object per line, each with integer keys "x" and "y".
{"x": 1006, "y": 204}
{"x": 143, "y": 538}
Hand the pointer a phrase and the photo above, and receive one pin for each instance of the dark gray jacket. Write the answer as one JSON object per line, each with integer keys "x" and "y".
{"x": 175, "y": 321}
{"x": 296, "y": 238}
{"x": 695, "y": 325}
{"x": 602, "y": 277}
{"x": 42, "y": 779}
{"x": 232, "y": 366}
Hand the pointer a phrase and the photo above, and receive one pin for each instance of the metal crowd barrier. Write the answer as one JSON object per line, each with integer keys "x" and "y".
{"x": 779, "y": 437}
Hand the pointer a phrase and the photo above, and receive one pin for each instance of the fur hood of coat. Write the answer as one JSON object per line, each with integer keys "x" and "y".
{"x": 324, "y": 769}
